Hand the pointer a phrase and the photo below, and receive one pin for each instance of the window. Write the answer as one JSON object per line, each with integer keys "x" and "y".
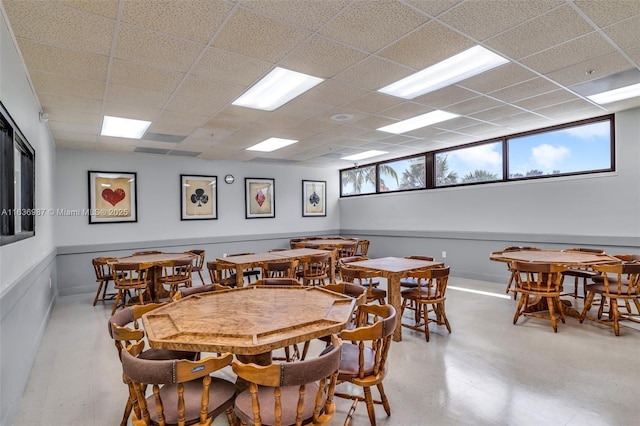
{"x": 401, "y": 175}
{"x": 582, "y": 147}
{"x": 564, "y": 151}
{"x": 17, "y": 213}
{"x": 481, "y": 163}
{"x": 359, "y": 180}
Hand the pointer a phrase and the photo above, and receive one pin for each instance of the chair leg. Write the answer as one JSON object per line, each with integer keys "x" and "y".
{"x": 383, "y": 398}
{"x": 520, "y": 308}
{"x": 95, "y": 299}
{"x": 587, "y": 304}
{"x": 230, "y": 417}
{"x": 368, "y": 398}
{"x": 443, "y": 315}
{"x": 115, "y": 303}
{"x": 616, "y": 316}
{"x": 425, "y": 314}
{"x": 552, "y": 315}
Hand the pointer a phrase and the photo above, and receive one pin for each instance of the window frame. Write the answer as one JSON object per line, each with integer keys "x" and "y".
{"x": 504, "y": 140}
{"x": 11, "y": 141}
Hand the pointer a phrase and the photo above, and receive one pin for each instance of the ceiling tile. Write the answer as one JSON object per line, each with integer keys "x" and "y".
{"x": 479, "y": 103}
{"x": 374, "y": 102}
{"x": 433, "y": 8}
{"x": 545, "y": 31}
{"x": 303, "y": 109}
{"x": 591, "y": 69}
{"x": 74, "y": 117}
{"x": 106, "y": 8}
{"x": 562, "y": 56}
{"x": 144, "y": 77}
{"x": 74, "y": 137}
{"x": 603, "y": 14}
{"x": 128, "y": 110}
{"x": 52, "y": 100}
{"x": 498, "y": 78}
{"x": 332, "y": 92}
{"x": 483, "y": 19}
{"x": 433, "y": 42}
{"x": 169, "y": 118}
{"x": 446, "y": 96}
{"x": 203, "y": 17}
{"x": 550, "y": 98}
{"x": 310, "y": 15}
{"x": 62, "y": 85}
{"x": 560, "y": 110}
{"x": 621, "y": 35}
{"x": 193, "y": 105}
{"x": 222, "y": 65}
{"x": 201, "y": 87}
{"x": 258, "y": 37}
{"x": 66, "y": 126}
{"x": 495, "y": 113}
{"x": 60, "y": 26}
{"x": 373, "y": 73}
{"x": 119, "y": 94}
{"x": 372, "y": 25}
{"x": 322, "y": 58}
{"x": 405, "y": 110}
{"x": 171, "y": 129}
{"x": 155, "y": 49}
{"x": 524, "y": 90}
{"x": 57, "y": 60}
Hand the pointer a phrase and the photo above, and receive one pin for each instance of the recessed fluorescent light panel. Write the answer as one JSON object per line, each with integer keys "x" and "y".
{"x": 124, "y": 127}
{"x": 457, "y": 68}
{"x": 616, "y": 95}
{"x": 276, "y": 89}
{"x": 271, "y": 144}
{"x": 423, "y": 120}
{"x": 363, "y": 155}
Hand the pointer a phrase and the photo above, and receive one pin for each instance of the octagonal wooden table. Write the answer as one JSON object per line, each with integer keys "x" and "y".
{"x": 249, "y": 322}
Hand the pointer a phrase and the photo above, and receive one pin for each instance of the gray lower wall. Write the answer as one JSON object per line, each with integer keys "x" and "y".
{"x": 468, "y": 252}
{"x": 75, "y": 273}
{"x": 25, "y": 308}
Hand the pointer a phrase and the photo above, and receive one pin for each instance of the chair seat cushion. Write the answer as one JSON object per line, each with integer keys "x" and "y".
{"x": 366, "y": 282}
{"x": 221, "y": 394}
{"x": 164, "y": 354}
{"x": 418, "y": 293}
{"x": 599, "y": 279}
{"x": 289, "y": 399}
{"x": 613, "y": 289}
{"x": 409, "y": 282}
{"x": 349, "y": 364}
{"x": 376, "y": 293}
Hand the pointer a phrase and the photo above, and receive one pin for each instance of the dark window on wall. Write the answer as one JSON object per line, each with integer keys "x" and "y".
{"x": 582, "y": 147}
{"x": 17, "y": 183}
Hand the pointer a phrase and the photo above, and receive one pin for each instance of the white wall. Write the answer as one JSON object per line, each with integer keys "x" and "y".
{"x": 159, "y": 198}
{"x": 606, "y": 204}
{"x": 23, "y": 106}
{"x": 26, "y": 267}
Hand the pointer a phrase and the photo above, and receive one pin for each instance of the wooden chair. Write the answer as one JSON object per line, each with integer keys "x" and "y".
{"x": 294, "y": 241}
{"x": 364, "y": 360}
{"x": 248, "y": 273}
{"x": 283, "y": 269}
{"x": 281, "y": 281}
{"x": 619, "y": 282}
{"x": 345, "y": 261}
{"x": 188, "y": 291}
{"x": 584, "y": 273}
{"x": 288, "y": 393}
{"x": 356, "y": 291}
{"x": 363, "y": 248}
{"x": 183, "y": 391}
{"x": 103, "y": 277}
{"x": 364, "y": 278}
{"x": 176, "y": 273}
{"x": 430, "y": 292}
{"x": 412, "y": 282}
{"x": 512, "y": 270}
{"x": 314, "y": 269}
{"x": 540, "y": 280}
{"x": 129, "y": 277}
{"x": 198, "y": 262}
{"x": 120, "y": 330}
{"x": 221, "y": 274}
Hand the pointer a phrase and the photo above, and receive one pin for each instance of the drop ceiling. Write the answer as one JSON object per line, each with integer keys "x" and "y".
{"x": 180, "y": 64}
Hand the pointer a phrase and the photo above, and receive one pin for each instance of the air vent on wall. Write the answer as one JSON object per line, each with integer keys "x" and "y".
{"x": 161, "y": 137}
{"x": 151, "y": 150}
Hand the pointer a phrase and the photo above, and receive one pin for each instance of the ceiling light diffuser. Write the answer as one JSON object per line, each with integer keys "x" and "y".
{"x": 616, "y": 94}
{"x": 124, "y": 127}
{"x": 466, "y": 64}
{"x": 276, "y": 89}
{"x": 271, "y": 144}
{"x": 423, "y": 120}
{"x": 363, "y": 155}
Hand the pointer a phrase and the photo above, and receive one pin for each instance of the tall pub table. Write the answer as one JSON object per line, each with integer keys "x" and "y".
{"x": 394, "y": 268}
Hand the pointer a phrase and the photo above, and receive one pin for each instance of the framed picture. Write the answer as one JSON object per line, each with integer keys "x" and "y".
{"x": 260, "y": 199}
{"x": 314, "y": 197}
{"x": 198, "y": 197}
{"x": 112, "y": 197}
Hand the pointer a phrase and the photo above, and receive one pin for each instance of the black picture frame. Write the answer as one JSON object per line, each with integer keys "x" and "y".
{"x": 314, "y": 198}
{"x": 113, "y": 197}
{"x": 260, "y": 198}
{"x": 198, "y": 197}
